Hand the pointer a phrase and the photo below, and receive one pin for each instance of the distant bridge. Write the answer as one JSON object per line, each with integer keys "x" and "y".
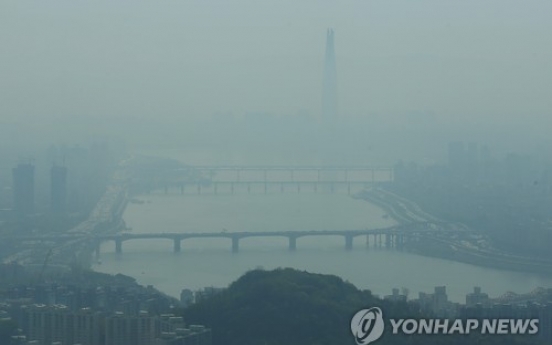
{"x": 393, "y": 237}
{"x": 232, "y": 187}
{"x": 292, "y": 169}
{"x": 332, "y": 178}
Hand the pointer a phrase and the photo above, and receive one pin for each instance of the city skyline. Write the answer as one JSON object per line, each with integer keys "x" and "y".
{"x": 281, "y": 166}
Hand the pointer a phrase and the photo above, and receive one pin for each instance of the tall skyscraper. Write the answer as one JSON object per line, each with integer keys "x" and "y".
{"x": 329, "y": 92}
{"x": 23, "y": 189}
{"x": 58, "y": 188}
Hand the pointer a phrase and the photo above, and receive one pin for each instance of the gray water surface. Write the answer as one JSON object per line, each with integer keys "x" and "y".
{"x": 210, "y": 262}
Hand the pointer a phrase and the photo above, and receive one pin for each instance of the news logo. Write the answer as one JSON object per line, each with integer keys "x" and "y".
{"x": 367, "y": 325}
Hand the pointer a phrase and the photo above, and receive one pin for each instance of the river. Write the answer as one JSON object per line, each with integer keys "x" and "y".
{"x": 210, "y": 262}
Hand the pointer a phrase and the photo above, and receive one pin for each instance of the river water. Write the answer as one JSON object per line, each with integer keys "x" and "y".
{"x": 210, "y": 262}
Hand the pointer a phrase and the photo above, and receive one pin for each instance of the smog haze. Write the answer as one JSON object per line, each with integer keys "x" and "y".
{"x": 158, "y": 74}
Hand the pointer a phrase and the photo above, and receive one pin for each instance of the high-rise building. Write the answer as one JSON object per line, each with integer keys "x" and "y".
{"x": 50, "y": 324}
{"x": 23, "y": 189}
{"x": 329, "y": 92}
{"x": 58, "y": 188}
{"x": 139, "y": 329}
{"x": 477, "y": 297}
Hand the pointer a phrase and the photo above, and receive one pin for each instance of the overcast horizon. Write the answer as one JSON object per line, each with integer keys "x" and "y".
{"x": 69, "y": 67}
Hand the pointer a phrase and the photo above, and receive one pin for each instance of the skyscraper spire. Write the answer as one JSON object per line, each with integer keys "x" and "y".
{"x": 329, "y": 92}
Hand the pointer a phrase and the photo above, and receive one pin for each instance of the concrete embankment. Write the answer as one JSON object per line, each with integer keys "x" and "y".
{"x": 468, "y": 248}
{"x": 402, "y": 210}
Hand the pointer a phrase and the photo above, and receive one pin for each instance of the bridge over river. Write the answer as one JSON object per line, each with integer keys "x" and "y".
{"x": 232, "y": 178}
{"x": 390, "y": 237}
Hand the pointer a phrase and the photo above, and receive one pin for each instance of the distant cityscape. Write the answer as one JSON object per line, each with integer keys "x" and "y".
{"x": 124, "y": 313}
{"x": 58, "y": 206}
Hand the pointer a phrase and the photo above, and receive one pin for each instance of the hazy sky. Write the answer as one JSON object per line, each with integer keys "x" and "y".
{"x": 179, "y": 59}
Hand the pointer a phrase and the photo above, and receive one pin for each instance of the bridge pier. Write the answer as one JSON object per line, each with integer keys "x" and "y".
{"x": 177, "y": 246}
{"x": 292, "y": 243}
{"x": 388, "y": 241}
{"x": 282, "y": 187}
{"x": 199, "y": 188}
{"x": 235, "y": 244}
{"x": 97, "y": 250}
{"x": 367, "y": 241}
{"x": 248, "y": 187}
{"x": 349, "y": 188}
{"x": 119, "y": 246}
{"x": 348, "y": 242}
{"x": 400, "y": 241}
{"x": 298, "y": 187}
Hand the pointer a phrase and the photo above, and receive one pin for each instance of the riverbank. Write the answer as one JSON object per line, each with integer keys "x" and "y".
{"x": 105, "y": 218}
{"x": 70, "y": 262}
{"x": 470, "y": 247}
